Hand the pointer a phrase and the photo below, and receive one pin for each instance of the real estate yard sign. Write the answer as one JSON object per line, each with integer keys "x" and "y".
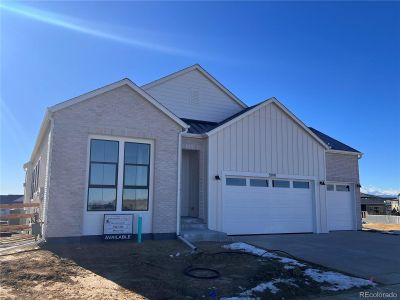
{"x": 118, "y": 227}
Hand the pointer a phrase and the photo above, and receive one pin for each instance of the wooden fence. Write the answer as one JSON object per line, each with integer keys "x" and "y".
{"x": 11, "y": 234}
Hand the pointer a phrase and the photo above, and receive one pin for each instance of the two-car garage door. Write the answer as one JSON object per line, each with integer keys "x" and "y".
{"x": 262, "y": 205}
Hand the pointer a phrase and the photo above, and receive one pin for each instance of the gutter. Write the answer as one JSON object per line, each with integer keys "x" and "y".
{"x": 359, "y": 154}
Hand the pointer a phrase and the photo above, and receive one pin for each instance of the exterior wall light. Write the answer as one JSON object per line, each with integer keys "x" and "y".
{"x": 217, "y": 177}
{"x": 322, "y": 182}
{"x": 358, "y": 185}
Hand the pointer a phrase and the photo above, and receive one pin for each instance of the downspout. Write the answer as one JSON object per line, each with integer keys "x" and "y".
{"x": 178, "y": 194}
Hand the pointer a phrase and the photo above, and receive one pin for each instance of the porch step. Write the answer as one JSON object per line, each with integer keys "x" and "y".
{"x": 193, "y": 226}
{"x": 189, "y": 223}
{"x": 197, "y": 235}
{"x": 191, "y": 220}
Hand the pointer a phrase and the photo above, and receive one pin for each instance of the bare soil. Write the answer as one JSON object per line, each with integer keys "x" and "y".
{"x": 151, "y": 270}
{"x": 382, "y": 227}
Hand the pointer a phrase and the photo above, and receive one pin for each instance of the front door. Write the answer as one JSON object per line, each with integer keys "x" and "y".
{"x": 190, "y": 184}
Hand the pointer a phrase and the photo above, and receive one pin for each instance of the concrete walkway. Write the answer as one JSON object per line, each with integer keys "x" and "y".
{"x": 368, "y": 255}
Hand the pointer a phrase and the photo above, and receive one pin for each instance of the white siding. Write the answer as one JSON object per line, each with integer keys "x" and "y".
{"x": 193, "y": 96}
{"x": 266, "y": 141}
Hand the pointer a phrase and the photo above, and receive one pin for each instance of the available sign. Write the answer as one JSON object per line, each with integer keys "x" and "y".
{"x": 118, "y": 227}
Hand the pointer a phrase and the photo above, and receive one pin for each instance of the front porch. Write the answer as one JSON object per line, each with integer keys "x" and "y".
{"x": 195, "y": 229}
{"x": 193, "y": 206}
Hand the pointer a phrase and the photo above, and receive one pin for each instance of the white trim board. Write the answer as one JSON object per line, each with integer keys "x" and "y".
{"x": 204, "y": 73}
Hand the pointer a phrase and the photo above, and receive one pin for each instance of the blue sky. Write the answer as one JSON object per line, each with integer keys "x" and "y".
{"x": 336, "y": 65}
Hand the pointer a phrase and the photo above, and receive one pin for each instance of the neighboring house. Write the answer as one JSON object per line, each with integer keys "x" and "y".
{"x": 378, "y": 205}
{"x": 184, "y": 145}
{"x": 10, "y": 199}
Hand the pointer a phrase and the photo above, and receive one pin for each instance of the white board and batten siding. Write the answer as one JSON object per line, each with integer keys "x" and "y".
{"x": 193, "y": 96}
{"x": 266, "y": 143}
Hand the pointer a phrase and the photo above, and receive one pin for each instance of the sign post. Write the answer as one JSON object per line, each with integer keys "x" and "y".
{"x": 118, "y": 226}
{"x": 139, "y": 233}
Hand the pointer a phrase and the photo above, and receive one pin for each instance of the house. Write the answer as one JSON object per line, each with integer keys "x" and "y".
{"x": 185, "y": 146}
{"x": 378, "y": 205}
{"x": 10, "y": 199}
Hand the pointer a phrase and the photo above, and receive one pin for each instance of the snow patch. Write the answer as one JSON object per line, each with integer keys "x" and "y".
{"x": 338, "y": 281}
{"x": 261, "y": 252}
{"x": 270, "y": 285}
{"x": 246, "y": 248}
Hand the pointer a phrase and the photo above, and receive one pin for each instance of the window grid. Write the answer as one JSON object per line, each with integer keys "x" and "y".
{"x": 102, "y": 186}
{"x": 35, "y": 179}
{"x": 136, "y": 187}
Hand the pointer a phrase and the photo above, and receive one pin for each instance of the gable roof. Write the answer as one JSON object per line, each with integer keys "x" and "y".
{"x": 333, "y": 143}
{"x": 115, "y": 85}
{"x": 204, "y": 73}
{"x": 46, "y": 120}
{"x": 205, "y": 127}
{"x": 252, "y": 109}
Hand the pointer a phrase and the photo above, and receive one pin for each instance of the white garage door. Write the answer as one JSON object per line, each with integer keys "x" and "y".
{"x": 261, "y": 205}
{"x": 339, "y": 204}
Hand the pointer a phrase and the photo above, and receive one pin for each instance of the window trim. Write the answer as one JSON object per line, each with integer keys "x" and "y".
{"x": 121, "y": 140}
{"x": 348, "y": 189}
{"x": 301, "y": 188}
{"x": 235, "y": 177}
{"x": 259, "y": 186}
{"x": 136, "y": 187}
{"x": 281, "y": 187}
{"x": 35, "y": 173}
{"x": 101, "y": 186}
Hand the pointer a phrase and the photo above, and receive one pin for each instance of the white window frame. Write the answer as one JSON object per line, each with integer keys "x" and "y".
{"x": 120, "y": 174}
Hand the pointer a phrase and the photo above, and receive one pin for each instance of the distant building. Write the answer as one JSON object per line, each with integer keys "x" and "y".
{"x": 10, "y": 199}
{"x": 378, "y": 205}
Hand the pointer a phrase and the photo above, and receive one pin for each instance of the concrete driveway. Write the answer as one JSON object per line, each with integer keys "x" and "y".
{"x": 363, "y": 254}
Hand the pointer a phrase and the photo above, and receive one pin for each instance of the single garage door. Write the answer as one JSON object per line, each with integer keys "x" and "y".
{"x": 339, "y": 204}
{"x": 262, "y": 205}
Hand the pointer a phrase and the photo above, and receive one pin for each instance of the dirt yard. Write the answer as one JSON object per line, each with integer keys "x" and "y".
{"x": 382, "y": 227}
{"x": 151, "y": 270}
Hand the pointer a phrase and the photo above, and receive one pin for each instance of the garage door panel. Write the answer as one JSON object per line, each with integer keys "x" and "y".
{"x": 340, "y": 210}
{"x": 260, "y": 210}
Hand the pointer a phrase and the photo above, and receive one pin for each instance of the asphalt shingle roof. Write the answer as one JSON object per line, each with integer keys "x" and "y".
{"x": 9, "y": 199}
{"x": 332, "y": 143}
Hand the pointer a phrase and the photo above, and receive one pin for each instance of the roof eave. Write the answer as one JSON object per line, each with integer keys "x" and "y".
{"x": 42, "y": 131}
{"x": 112, "y": 86}
{"x": 360, "y": 154}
